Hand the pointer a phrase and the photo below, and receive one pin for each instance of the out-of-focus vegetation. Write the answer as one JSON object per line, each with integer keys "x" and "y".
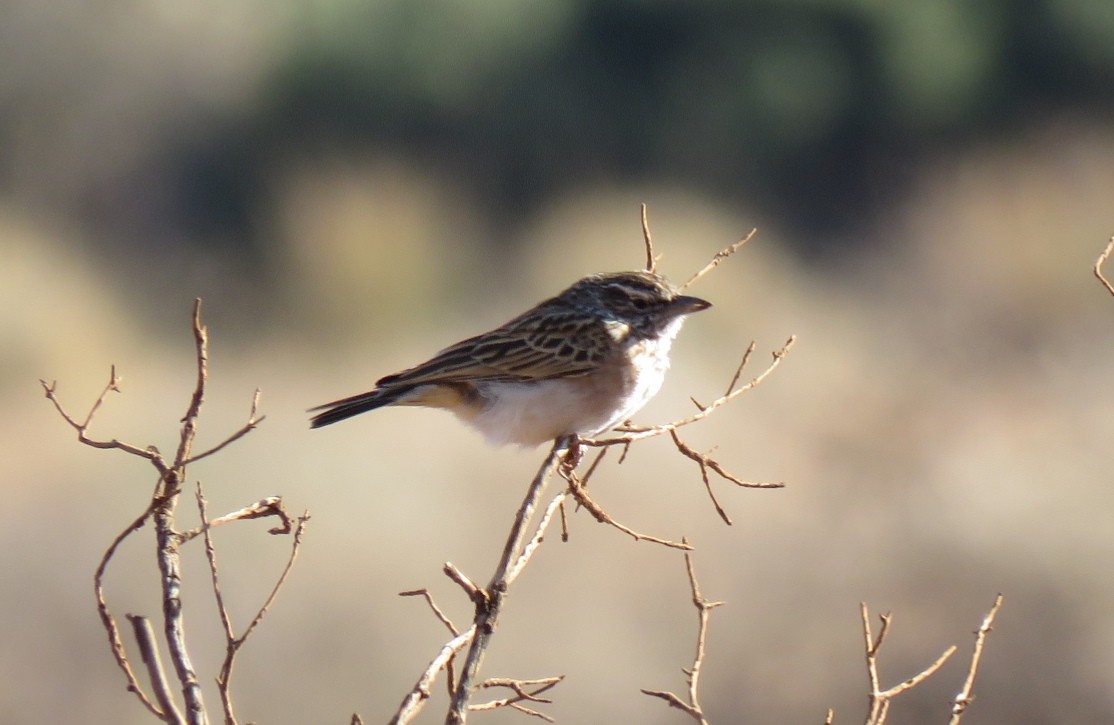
{"x": 814, "y": 112}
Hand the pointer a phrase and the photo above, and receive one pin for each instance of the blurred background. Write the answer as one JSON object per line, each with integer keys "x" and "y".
{"x": 352, "y": 185}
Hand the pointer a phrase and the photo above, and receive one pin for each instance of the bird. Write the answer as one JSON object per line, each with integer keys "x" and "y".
{"x": 577, "y": 364}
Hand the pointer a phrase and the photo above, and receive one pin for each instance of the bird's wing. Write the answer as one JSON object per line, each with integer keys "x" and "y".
{"x": 550, "y": 341}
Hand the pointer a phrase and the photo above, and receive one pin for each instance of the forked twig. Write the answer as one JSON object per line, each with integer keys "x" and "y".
{"x": 880, "y": 699}
{"x": 232, "y": 642}
{"x": 524, "y": 690}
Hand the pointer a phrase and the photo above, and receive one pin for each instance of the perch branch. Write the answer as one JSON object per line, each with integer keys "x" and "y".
{"x": 488, "y": 611}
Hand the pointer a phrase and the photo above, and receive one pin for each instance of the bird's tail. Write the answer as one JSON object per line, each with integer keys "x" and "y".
{"x": 339, "y": 410}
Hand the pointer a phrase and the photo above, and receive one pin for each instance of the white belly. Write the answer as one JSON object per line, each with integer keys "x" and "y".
{"x": 532, "y": 413}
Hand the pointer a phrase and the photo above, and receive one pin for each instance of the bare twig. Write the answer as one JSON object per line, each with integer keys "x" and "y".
{"x": 524, "y": 690}
{"x": 252, "y": 424}
{"x": 966, "y": 696}
{"x": 880, "y": 699}
{"x": 471, "y": 588}
{"x": 706, "y": 462}
{"x": 576, "y": 488}
{"x": 531, "y": 546}
{"x": 150, "y": 453}
{"x": 115, "y": 643}
{"x": 703, "y": 610}
{"x": 232, "y": 642}
{"x": 149, "y": 651}
{"x": 719, "y": 257}
{"x": 425, "y": 593}
{"x": 1101, "y": 261}
{"x": 263, "y": 508}
{"x": 651, "y": 260}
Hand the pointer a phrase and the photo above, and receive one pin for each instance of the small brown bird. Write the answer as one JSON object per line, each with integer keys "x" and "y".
{"x": 579, "y": 363}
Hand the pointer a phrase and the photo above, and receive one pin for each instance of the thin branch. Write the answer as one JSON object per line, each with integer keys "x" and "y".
{"x": 520, "y": 688}
{"x": 471, "y": 588}
{"x": 719, "y": 257}
{"x": 211, "y": 557}
{"x": 415, "y": 700}
{"x": 115, "y": 643}
{"x": 150, "y": 453}
{"x": 576, "y": 488}
{"x": 433, "y": 605}
{"x": 295, "y": 546}
{"x": 252, "y": 424}
{"x": 263, "y": 508}
{"x": 966, "y": 696}
{"x": 651, "y": 260}
{"x": 149, "y": 651}
{"x": 703, "y": 609}
{"x": 232, "y": 642}
{"x": 1101, "y": 261}
{"x": 531, "y": 546}
{"x": 189, "y": 420}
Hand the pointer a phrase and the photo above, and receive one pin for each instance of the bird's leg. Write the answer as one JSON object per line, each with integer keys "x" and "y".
{"x": 573, "y": 453}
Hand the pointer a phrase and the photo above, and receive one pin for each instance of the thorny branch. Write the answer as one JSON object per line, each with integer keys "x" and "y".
{"x": 161, "y": 510}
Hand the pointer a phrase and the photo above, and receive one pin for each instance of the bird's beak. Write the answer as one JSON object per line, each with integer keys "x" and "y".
{"x": 685, "y": 305}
